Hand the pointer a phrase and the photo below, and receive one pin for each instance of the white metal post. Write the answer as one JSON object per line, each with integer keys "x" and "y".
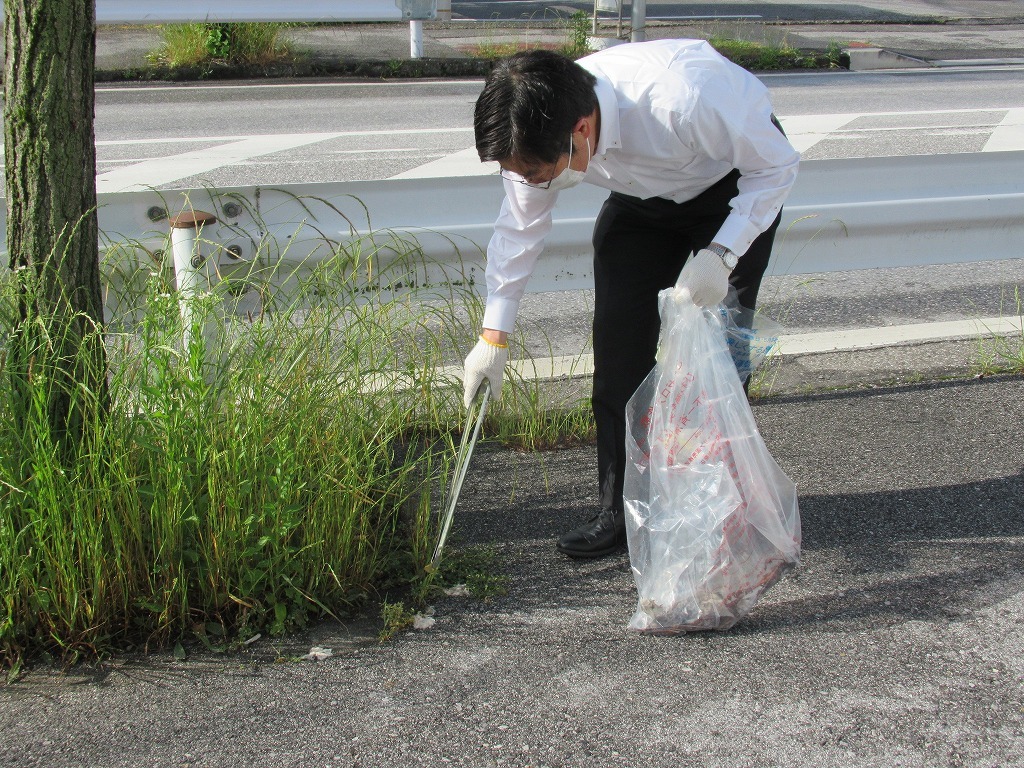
{"x": 416, "y": 39}
{"x": 188, "y": 263}
{"x": 638, "y": 20}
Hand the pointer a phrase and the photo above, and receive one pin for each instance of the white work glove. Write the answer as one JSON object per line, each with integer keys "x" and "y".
{"x": 486, "y": 361}
{"x": 705, "y": 277}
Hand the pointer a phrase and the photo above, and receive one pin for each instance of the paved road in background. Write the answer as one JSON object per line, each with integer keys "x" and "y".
{"x": 281, "y": 133}
{"x": 834, "y": 10}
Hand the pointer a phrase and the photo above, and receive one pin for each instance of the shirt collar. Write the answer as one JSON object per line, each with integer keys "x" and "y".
{"x": 609, "y": 110}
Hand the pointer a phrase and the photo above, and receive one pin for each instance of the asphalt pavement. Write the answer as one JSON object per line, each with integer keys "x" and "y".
{"x": 898, "y": 642}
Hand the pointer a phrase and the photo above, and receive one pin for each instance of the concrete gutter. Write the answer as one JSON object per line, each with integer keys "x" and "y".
{"x": 870, "y": 58}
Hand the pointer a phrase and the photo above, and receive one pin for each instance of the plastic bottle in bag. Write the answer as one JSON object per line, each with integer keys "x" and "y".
{"x": 711, "y": 519}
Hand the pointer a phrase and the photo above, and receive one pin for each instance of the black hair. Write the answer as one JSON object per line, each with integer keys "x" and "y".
{"x": 529, "y": 106}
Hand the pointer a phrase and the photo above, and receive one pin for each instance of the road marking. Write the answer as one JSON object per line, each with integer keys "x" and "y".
{"x": 267, "y": 86}
{"x": 163, "y": 170}
{"x": 228, "y": 150}
{"x": 268, "y": 136}
{"x": 837, "y": 340}
{"x": 895, "y": 335}
{"x": 1009, "y": 134}
{"x": 464, "y": 163}
{"x": 804, "y": 131}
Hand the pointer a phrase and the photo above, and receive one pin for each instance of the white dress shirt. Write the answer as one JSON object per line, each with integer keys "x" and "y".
{"x": 675, "y": 117}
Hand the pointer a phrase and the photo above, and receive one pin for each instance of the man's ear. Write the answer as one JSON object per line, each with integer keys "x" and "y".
{"x": 585, "y": 125}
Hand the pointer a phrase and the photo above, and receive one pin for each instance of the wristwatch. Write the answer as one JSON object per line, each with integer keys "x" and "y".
{"x": 728, "y": 258}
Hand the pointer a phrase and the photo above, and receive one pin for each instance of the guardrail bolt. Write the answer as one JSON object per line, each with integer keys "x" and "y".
{"x": 231, "y": 210}
{"x": 156, "y": 213}
{"x": 234, "y": 251}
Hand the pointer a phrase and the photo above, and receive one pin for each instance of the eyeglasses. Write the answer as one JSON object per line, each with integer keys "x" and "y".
{"x": 513, "y": 176}
{"x": 519, "y": 179}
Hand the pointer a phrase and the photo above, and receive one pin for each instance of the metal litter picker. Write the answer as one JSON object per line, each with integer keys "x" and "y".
{"x": 470, "y": 433}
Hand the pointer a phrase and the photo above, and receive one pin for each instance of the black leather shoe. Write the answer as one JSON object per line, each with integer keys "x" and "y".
{"x": 604, "y": 534}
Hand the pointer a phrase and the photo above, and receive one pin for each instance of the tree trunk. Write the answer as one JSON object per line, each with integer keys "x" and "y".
{"x": 57, "y": 361}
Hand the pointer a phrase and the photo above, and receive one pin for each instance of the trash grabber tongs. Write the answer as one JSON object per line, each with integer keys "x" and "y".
{"x": 469, "y": 435}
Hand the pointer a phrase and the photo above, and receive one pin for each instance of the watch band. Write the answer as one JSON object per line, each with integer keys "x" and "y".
{"x": 729, "y": 259}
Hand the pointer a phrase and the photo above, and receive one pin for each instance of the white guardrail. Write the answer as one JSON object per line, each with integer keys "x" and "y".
{"x": 135, "y": 12}
{"x": 183, "y": 11}
{"x": 841, "y": 215}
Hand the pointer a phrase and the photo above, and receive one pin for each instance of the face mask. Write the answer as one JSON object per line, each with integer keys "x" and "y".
{"x": 569, "y": 177}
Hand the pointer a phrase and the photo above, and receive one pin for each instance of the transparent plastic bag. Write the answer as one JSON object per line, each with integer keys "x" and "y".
{"x": 711, "y": 519}
{"x": 750, "y": 337}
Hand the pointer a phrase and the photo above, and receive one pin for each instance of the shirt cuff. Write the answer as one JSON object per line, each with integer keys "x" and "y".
{"x": 736, "y": 234}
{"x": 500, "y": 314}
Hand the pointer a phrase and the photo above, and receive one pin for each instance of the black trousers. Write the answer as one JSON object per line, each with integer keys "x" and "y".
{"x": 640, "y": 246}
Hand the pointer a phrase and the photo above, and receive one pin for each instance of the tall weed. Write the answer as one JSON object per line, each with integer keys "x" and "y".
{"x": 280, "y": 466}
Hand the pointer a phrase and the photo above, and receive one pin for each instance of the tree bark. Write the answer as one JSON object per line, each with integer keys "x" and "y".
{"x": 57, "y": 361}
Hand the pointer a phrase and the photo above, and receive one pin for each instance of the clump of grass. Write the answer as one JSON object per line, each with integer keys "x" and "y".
{"x": 190, "y": 45}
{"x": 750, "y": 55}
{"x": 578, "y": 29}
{"x": 395, "y": 618}
{"x": 492, "y": 51}
{"x": 771, "y": 56}
{"x": 527, "y": 419}
{"x": 246, "y": 482}
{"x": 277, "y": 468}
{"x": 1002, "y": 353}
{"x": 474, "y": 567}
{"x": 574, "y": 29}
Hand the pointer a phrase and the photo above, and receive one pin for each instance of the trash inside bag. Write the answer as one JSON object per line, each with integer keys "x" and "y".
{"x": 750, "y": 337}
{"x": 711, "y": 519}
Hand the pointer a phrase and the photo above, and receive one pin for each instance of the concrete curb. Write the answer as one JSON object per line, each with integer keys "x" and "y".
{"x": 869, "y": 59}
{"x": 863, "y": 59}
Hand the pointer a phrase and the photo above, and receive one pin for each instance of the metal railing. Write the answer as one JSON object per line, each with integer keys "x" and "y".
{"x": 842, "y": 215}
{"x": 184, "y": 11}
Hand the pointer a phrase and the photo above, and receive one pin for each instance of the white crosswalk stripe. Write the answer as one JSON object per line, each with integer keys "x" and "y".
{"x": 162, "y": 170}
{"x": 227, "y": 151}
{"x": 805, "y": 132}
{"x": 1003, "y": 129}
{"x": 1009, "y": 134}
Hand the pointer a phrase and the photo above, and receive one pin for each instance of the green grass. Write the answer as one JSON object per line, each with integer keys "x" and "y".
{"x": 395, "y": 618}
{"x": 190, "y": 45}
{"x": 755, "y": 56}
{"x": 252, "y": 44}
{"x": 770, "y": 56}
{"x": 283, "y": 467}
{"x": 574, "y": 31}
{"x": 1002, "y": 353}
{"x": 475, "y": 567}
